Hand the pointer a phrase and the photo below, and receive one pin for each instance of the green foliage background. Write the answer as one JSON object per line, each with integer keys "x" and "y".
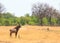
{"x": 8, "y": 19}
{"x": 42, "y": 14}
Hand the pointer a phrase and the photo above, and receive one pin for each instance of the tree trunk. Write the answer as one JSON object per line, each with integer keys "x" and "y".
{"x": 50, "y": 20}
{"x": 41, "y": 22}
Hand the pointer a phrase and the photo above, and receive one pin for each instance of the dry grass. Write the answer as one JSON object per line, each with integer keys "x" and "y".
{"x": 31, "y": 34}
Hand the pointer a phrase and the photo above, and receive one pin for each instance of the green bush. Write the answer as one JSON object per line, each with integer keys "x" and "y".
{"x": 45, "y": 21}
{"x": 54, "y": 21}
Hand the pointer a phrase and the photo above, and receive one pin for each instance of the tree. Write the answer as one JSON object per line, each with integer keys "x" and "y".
{"x": 42, "y": 10}
{"x": 1, "y": 9}
{"x": 45, "y": 21}
{"x": 22, "y": 20}
{"x": 27, "y": 18}
{"x": 33, "y": 20}
{"x": 27, "y": 15}
{"x": 54, "y": 21}
{"x": 8, "y": 15}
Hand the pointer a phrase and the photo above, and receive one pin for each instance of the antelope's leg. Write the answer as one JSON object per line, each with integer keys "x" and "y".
{"x": 15, "y": 34}
{"x": 10, "y": 33}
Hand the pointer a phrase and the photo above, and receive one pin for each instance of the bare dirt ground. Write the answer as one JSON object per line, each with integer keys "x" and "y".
{"x": 31, "y": 34}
